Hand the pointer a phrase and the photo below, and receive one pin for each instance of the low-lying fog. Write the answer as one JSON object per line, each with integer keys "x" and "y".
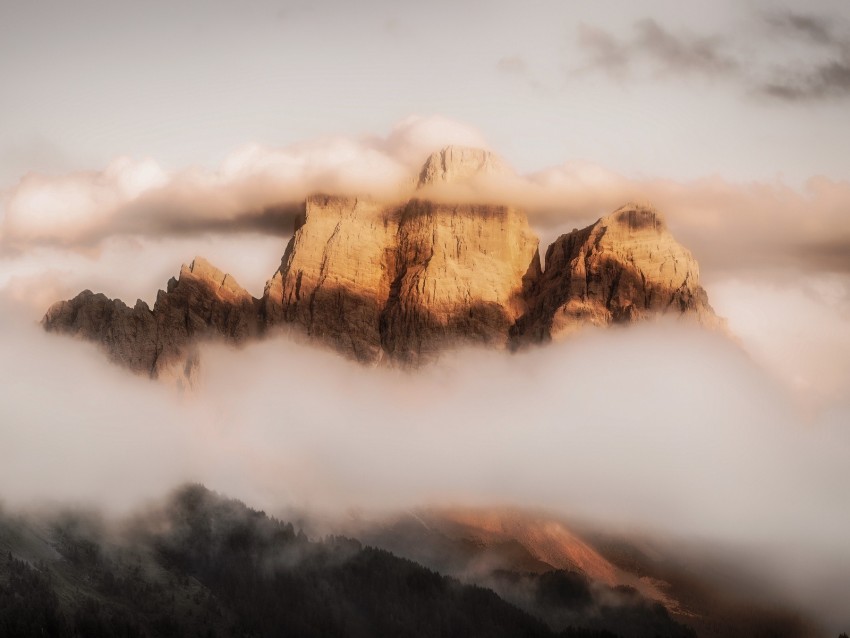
{"x": 659, "y": 427}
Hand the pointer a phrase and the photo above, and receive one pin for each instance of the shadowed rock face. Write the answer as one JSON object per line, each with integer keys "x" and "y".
{"x": 404, "y": 282}
{"x": 203, "y": 303}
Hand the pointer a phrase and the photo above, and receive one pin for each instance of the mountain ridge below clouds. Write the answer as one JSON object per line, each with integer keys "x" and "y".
{"x": 200, "y": 564}
{"x": 402, "y": 282}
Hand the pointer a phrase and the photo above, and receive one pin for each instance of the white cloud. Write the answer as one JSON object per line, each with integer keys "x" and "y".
{"x": 729, "y": 226}
{"x": 415, "y": 137}
{"x": 73, "y": 206}
{"x": 132, "y": 197}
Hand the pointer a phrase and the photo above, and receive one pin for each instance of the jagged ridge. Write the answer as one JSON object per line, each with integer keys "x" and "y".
{"x": 203, "y": 303}
{"x": 404, "y": 282}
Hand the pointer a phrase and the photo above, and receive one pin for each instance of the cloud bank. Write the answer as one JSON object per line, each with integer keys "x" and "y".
{"x": 729, "y": 226}
{"x": 657, "y": 46}
{"x": 659, "y": 427}
{"x": 256, "y": 188}
{"x": 817, "y": 70}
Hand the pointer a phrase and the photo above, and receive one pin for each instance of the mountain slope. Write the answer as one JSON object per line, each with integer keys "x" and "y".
{"x": 533, "y": 559}
{"x": 205, "y": 565}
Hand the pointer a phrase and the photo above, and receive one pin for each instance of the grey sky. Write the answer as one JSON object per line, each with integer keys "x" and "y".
{"x": 187, "y": 83}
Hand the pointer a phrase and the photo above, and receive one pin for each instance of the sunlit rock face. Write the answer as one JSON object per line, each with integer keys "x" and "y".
{"x": 624, "y": 268}
{"x": 335, "y": 275}
{"x": 462, "y": 274}
{"x": 404, "y": 281}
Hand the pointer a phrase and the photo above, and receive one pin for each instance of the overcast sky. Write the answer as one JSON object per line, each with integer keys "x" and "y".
{"x": 744, "y": 90}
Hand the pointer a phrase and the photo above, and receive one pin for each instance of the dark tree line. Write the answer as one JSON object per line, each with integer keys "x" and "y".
{"x": 212, "y": 567}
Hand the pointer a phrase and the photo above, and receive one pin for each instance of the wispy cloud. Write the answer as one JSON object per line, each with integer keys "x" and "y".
{"x": 816, "y": 28}
{"x": 604, "y": 51}
{"x": 826, "y": 75}
{"x": 516, "y": 66}
{"x": 820, "y": 72}
{"x": 657, "y": 46}
{"x": 513, "y": 64}
{"x": 683, "y": 53}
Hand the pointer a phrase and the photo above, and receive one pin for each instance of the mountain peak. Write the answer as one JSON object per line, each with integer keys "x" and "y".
{"x": 454, "y": 164}
{"x": 201, "y": 268}
{"x": 403, "y": 282}
{"x": 218, "y": 281}
{"x": 636, "y": 217}
{"x": 623, "y": 268}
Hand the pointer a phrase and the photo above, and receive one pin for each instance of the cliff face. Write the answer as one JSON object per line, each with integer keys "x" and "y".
{"x": 403, "y": 282}
{"x": 335, "y": 275}
{"x": 461, "y": 274}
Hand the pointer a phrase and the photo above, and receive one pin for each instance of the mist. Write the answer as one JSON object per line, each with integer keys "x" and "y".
{"x": 660, "y": 427}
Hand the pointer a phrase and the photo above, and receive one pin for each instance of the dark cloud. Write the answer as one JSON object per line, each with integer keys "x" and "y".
{"x": 811, "y": 27}
{"x": 822, "y": 81}
{"x": 277, "y": 220}
{"x": 665, "y": 51}
{"x": 823, "y": 73}
{"x": 830, "y": 255}
{"x": 603, "y": 50}
{"x": 827, "y": 76}
{"x": 169, "y": 222}
{"x": 830, "y": 80}
{"x": 683, "y": 53}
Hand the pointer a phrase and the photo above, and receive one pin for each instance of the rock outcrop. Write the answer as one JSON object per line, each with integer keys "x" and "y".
{"x": 456, "y": 164}
{"x": 403, "y": 282}
{"x": 334, "y": 279}
{"x": 624, "y": 268}
{"x": 203, "y": 303}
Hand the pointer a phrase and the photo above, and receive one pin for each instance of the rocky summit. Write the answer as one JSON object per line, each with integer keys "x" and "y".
{"x": 403, "y": 282}
{"x": 456, "y": 164}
